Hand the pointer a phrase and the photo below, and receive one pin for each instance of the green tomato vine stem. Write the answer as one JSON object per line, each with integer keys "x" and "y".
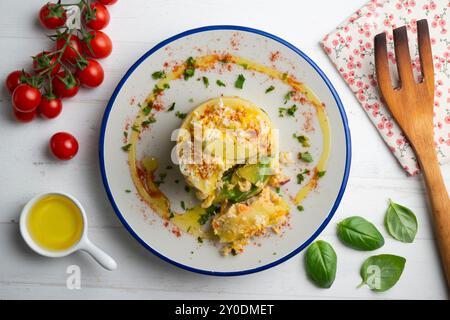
{"x": 46, "y": 76}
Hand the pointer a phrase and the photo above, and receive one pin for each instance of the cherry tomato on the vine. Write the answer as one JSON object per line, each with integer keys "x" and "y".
{"x": 73, "y": 49}
{"x": 46, "y": 60}
{"x": 14, "y": 79}
{"x": 91, "y": 73}
{"x": 50, "y": 106}
{"x": 26, "y": 98}
{"x": 24, "y": 116}
{"x": 52, "y": 16}
{"x": 96, "y": 16}
{"x": 97, "y": 44}
{"x": 65, "y": 85}
{"x": 108, "y": 2}
{"x": 63, "y": 145}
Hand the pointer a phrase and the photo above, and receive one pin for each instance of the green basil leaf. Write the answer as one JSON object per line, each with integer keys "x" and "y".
{"x": 360, "y": 234}
{"x": 321, "y": 263}
{"x": 382, "y": 272}
{"x": 401, "y": 222}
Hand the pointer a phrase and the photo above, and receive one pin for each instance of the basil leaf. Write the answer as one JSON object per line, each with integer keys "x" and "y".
{"x": 360, "y": 234}
{"x": 321, "y": 263}
{"x": 401, "y": 222}
{"x": 382, "y": 272}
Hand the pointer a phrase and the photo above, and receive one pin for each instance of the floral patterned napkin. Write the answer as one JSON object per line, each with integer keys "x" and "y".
{"x": 350, "y": 48}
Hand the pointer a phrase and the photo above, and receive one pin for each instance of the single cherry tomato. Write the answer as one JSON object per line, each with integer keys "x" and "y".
{"x": 73, "y": 50}
{"x": 50, "y": 106}
{"x": 91, "y": 74}
{"x": 63, "y": 145}
{"x": 46, "y": 60}
{"x": 97, "y": 44}
{"x": 108, "y": 2}
{"x": 96, "y": 16}
{"x": 14, "y": 79}
{"x": 24, "y": 116}
{"x": 65, "y": 85}
{"x": 26, "y": 98}
{"x": 52, "y": 15}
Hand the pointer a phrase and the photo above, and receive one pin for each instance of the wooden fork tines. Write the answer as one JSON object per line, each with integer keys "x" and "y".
{"x": 411, "y": 104}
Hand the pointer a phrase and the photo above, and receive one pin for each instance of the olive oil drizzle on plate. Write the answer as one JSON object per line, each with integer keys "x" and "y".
{"x": 143, "y": 171}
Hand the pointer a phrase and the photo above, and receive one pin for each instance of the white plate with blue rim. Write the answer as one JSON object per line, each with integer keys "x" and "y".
{"x": 259, "y": 57}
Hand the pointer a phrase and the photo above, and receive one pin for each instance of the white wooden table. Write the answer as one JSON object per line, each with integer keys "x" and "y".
{"x": 136, "y": 26}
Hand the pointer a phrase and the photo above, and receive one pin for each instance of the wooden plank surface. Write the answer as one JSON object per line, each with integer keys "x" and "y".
{"x": 136, "y": 26}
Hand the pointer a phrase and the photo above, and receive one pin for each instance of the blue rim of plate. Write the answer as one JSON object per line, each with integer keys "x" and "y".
{"x": 303, "y": 56}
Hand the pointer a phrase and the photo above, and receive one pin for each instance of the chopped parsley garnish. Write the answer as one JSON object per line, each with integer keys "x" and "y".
{"x": 320, "y": 174}
{"x": 166, "y": 86}
{"x": 240, "y": 82}
{"x": 209, "y": 212}
{"x": 180, "y": 115}
{"x": 244, "y": 65}
{"x": 289, "y": 111}
{"x": 284, "y": 76}
{"x": 162, "y": 178}
{"x": 205, "y": 81}
{"x": 300, "y": 208}
{"x": 171, "y": 215}
{"x": 220, "y": 83}
{"x": 278, "y": 190}
{"x": 301, "y": 177}
{"x": 190, "y": 68}
{"x": 147, "y": 109}
{"x": 135, "y": 128}
{"x": 128, "y": 191}
{"x": 288, "y": 96}
{"x": 171, "y": 108}
{"x": 305, "y": 156}
{"x": 187, "y": 188}
{"x": 158, "y": 75}
{"x": 270, "y": 89}
{"x": 304, "y": 140}
{"x": 157, "y": 90}
{"x": 126, "y": 147}
{"x": 125, "y": 134}
{"x": 183, "y": 205}
{"x": 149, "y": 121}
{"x": 200, "y": 240}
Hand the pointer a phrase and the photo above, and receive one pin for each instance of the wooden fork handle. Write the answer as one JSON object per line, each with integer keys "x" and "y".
{"x": 439, "y": 201}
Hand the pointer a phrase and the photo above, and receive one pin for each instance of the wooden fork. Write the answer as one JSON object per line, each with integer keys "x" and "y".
{"x": 411, "y": 104}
